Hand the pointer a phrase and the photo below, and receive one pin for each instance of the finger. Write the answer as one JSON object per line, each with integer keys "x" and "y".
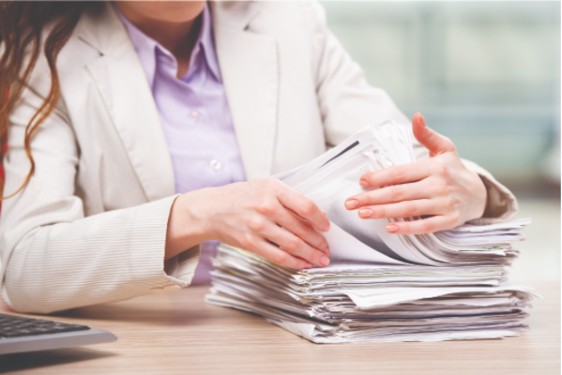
{"x": 278, "y": 256}
{"x": 406, "y": 209}
{"x": 392, "y": 194}
{"x": 398, "y": 174}
{"x": 303, "y": 230}
{"x": 295, "y": 246}
{"x": 433, "y": 141}
{"x": 423, "y": 226}
{"x": 305, "y": 208}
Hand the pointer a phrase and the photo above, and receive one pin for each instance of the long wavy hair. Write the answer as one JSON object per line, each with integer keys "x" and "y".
{"x": 22, "y": 25}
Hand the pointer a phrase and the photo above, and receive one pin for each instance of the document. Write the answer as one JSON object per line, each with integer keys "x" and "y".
{"x": 380, "y": 287}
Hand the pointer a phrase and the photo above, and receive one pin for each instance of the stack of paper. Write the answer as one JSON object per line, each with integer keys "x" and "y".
{"x": 380, "y": 286}
{"x": 367, "y": 302}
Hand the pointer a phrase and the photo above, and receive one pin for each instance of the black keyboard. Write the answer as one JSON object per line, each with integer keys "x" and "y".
{"x": 21, "y": 334}
{"x": 16, "y": 326}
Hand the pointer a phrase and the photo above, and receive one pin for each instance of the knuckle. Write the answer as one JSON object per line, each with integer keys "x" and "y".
{"x": 269, "y": 183}
{"x": 257, "y": 224}
{"x": 450, "y": 144}
{"x": 247, "y": 241}
{"x": 451, "y": 204}
{"x": 443, "y": 188}
{"x": 277, "y": 186}
{"x": 312, "y": 238}
{"x": 308, "y": 207}
{"x": 319, "y": 241}
{"x": 368, "y": 177}
{"x": 426, "y": 226}
{"x": 455, "y": 219}
{"x": 301, "y": 228}
{"x": 292, "y": 244}
{"x": 448, "y": 203}
{"x": 379, "y": 211}
{"x": 266, "y": 207}
{"x": 280, "y": 257}
{"x": 411, "y": 209}
{"x": 300, "y": 264}
{"x": 441, "y": 170}
{"x": 397, "y": 173}
{"x": 396, "y": 193}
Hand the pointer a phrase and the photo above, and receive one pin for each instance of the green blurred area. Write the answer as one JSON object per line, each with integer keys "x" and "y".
{"x": 486, "y": 74}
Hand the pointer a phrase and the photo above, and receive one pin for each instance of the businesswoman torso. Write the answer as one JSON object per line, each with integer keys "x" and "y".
{"x": 103, "y": 216}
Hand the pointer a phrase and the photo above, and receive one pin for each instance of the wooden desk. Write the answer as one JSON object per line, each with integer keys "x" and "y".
{"x": 176, "y": 333}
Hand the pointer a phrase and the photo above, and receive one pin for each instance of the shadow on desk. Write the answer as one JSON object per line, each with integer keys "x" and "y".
{"x": 172, "y": 308}
{"x": 28, "y": 361}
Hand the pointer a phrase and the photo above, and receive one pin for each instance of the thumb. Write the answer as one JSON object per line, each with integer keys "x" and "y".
{"x": 430, "y": 139}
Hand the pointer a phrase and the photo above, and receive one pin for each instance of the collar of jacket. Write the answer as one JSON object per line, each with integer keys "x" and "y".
{"x": 248, "y": 60}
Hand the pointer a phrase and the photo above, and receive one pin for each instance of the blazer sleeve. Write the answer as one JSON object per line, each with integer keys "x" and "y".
{"x": 52, "y": 256}
{"x": 348, "y": 103}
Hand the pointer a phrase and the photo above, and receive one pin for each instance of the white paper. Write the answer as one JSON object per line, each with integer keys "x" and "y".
{"x": 368, "y": 299}
{"x": 380, "y": 287}
{"x": 344, "y": 246}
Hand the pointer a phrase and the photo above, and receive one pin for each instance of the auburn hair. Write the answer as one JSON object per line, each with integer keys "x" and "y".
{"x": 22, "y": 25}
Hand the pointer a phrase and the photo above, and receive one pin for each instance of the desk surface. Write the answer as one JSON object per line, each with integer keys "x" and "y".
{"x": 177, "y": 333}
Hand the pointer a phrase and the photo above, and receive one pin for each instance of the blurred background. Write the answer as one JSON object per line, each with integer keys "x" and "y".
{"x": 487, "y": 75}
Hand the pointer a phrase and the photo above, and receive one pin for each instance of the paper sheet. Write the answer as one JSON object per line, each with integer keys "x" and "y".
{"x": 380, "y": 287}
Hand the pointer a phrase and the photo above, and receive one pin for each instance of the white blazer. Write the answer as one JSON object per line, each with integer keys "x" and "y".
{"x": 90, "y": 227}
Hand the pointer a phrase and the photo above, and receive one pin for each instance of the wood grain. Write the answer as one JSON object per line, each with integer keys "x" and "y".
{"x": 177, "y": 333}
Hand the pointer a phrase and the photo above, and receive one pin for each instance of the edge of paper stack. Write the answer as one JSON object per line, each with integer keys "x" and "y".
{"x": 380, "y": 287}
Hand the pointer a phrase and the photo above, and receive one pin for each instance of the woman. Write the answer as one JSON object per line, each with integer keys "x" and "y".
{"x": 144, "y": 130}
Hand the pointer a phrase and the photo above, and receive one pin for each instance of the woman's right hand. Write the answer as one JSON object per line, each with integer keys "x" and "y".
{"x": 265, "y": 217}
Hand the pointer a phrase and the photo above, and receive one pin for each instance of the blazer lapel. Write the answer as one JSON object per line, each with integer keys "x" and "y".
{"x": 249, "y": 69}
{"x": 121, "y": 82}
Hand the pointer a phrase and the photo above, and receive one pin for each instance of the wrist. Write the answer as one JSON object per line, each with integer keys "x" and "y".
{"x": 481, "y": 198}
{"x": 185, "y": 226}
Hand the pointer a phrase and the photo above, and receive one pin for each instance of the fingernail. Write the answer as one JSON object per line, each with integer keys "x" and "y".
{"x": 324, "y": 261}
{"x": 392, "y": 228}
{"x": 364, "y": 183}
{"x": 365, "y": 212}
{"x": 350, "y": 204}
{"x": 422, "y": 119}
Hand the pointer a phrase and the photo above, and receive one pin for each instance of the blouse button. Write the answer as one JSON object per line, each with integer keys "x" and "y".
{"x": 215, "y": 164}
{"x": 194, "y": 116}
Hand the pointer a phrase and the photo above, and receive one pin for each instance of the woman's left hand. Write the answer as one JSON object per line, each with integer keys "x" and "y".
{"x": 439, "y": 191}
